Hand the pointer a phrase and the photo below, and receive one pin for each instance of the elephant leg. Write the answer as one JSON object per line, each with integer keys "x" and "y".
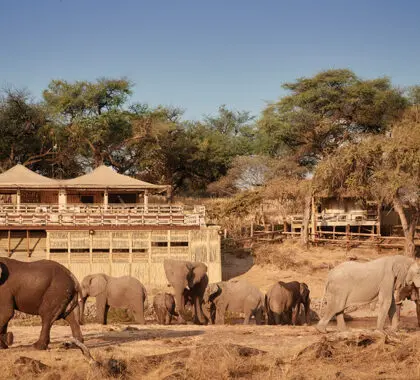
{"x": 44, "y": 338}
{"x": 160, "y": 315}
{"x": 49, "y": 313}
{"x": 394, "y": 315}
{"x": 168, "y": 318}
{"x": 138, "y": 313}
{"x": 418, "y": 312}
{"x": 295, "y": 314}
{"x": 72, "y": 320}
{"x": 179, "y": 305}
{"x": 341, "y": 323}
{"x": 277, "y": 318}
{"x": 270, "y": 317}
{"x": 329, "y": 313}
{"x": 258, "y": 316}
{"x": 101, "y": 309}
{"x": 247, "y": 317}
{"x": 198, "y": 311}
{"x": 385, "y": 304}
{"x": 307, "y": 314}
{"x": 220, "y": 314}
{"x": 6, "y": 338}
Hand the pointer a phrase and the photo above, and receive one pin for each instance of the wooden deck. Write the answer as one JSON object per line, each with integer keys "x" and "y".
{"x": 47, "y": 216}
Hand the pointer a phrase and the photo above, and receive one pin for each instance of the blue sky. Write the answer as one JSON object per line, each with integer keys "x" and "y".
{"x": 200, "y": 54}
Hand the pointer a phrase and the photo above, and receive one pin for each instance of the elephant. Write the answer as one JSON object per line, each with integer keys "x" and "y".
{"x": 410, "y": 292}
{"x": 122, "y": 292}
{"x": 192, "y": 276}
{"x": 164, "y": 306}
{"x": 283, "y": 299}
{"x": 45, "y": 288}
{"x": 235, "y": 296}
{"x": 351, "y": 284}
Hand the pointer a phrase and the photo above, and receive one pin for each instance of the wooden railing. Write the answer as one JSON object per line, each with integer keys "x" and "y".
{"x": 349, "y": 217}
{"x": 100, "y": 215}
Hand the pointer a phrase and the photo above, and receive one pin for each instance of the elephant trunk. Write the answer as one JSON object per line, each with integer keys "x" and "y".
{"x": 179, "y": 302}
{"x": 81, "y": 308}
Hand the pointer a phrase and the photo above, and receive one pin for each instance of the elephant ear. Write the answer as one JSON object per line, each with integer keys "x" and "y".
{"x": 400, "y": 270}
{"x": 197, "y": 271}
{"x": 97, "y": 285}
{"x": 212, "y": 292}
{"x": 177, "y": 272}
{"x": 304, "y": 291}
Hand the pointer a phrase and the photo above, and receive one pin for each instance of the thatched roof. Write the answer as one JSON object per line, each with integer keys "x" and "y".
{"x": 103, "y": 177}
{"x": 21, "y": 177}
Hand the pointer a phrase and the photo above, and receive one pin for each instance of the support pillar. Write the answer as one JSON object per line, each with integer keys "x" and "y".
{"x": 28, "y": 244}
{"x": 62, "y": 200}
{"x": 106, "y": 198}
{"x": 18, "y": 200}
{"x": 146, "y": 201}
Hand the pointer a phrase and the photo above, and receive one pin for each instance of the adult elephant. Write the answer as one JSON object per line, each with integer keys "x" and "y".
{"x": 188, "y": 275}
{"x": 122, "y": 292}
{"x": 45, "y": 288}
{"x": 351, "y": 284}
{"x": 236, "y": 296}
{"x": 283, "y": 300}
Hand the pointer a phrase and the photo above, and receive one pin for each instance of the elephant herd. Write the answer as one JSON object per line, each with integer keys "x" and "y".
{"x": 210, "y": 302}
{"x": 48, "y": 289}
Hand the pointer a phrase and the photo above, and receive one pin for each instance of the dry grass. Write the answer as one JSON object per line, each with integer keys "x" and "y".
{"x": 229, "y": 351}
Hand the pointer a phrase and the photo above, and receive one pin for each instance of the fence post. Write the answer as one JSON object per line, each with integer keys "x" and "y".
{"x": 347, "y": 237}
{"x": 252, "y": 229}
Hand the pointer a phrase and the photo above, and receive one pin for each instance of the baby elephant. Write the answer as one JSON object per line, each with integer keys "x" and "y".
{"x": 164, "y": 306}
{"x": 236, "y": 296}
{"x": 282, "y": 302}
{"x": 410, "y": 292}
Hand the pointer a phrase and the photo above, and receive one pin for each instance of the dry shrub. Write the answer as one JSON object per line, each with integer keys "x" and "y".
{"x": 282, "y": 256}
{"x": 221, "y": 361}
{"x": 358, "y": 355}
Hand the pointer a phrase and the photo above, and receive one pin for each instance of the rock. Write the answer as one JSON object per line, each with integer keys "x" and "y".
{"x": 27, "y": 366}
{"x": 116, "y": 368}
{"x": 245, "y": 351}
{"x": 402, "y": 353}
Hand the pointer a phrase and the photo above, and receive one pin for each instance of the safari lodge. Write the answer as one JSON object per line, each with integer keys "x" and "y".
{"x": 102, "y": 222}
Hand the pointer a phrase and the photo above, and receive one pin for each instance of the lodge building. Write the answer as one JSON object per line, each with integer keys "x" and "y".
{"x": 102, "y": 222}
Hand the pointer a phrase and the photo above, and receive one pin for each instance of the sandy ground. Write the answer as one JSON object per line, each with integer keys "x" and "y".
{"x": 230, "y": 351}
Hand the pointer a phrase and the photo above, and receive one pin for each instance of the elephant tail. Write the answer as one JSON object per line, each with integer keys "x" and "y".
{"x": 266, "y": 309}
{"x": 266, "y": 304}
{"x": 74, "y": 303}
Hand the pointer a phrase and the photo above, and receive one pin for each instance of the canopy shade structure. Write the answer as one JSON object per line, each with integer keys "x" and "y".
{"x": 103, "y": 177}
{"x": 20, "y": 177}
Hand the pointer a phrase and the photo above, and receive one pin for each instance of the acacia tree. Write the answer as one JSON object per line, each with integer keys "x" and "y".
{"x": 323, "y": 112}
{"x": 94, "y": 124}
{"x": 26, "y": 133}
{"x": 384, "y": 168}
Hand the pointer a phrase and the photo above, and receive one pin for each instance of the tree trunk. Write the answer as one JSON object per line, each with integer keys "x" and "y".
{"x": 304, "y": 232}
{"x": 408, "y": 227}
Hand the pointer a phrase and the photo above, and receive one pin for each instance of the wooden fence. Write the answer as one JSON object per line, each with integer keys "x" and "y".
{"x": 347, "y": 239}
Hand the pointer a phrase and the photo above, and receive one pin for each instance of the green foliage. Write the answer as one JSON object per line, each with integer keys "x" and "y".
{"x": 26, "y": 135}
{"x": 376, "y": 167}
{"x": 324, "y": 111}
